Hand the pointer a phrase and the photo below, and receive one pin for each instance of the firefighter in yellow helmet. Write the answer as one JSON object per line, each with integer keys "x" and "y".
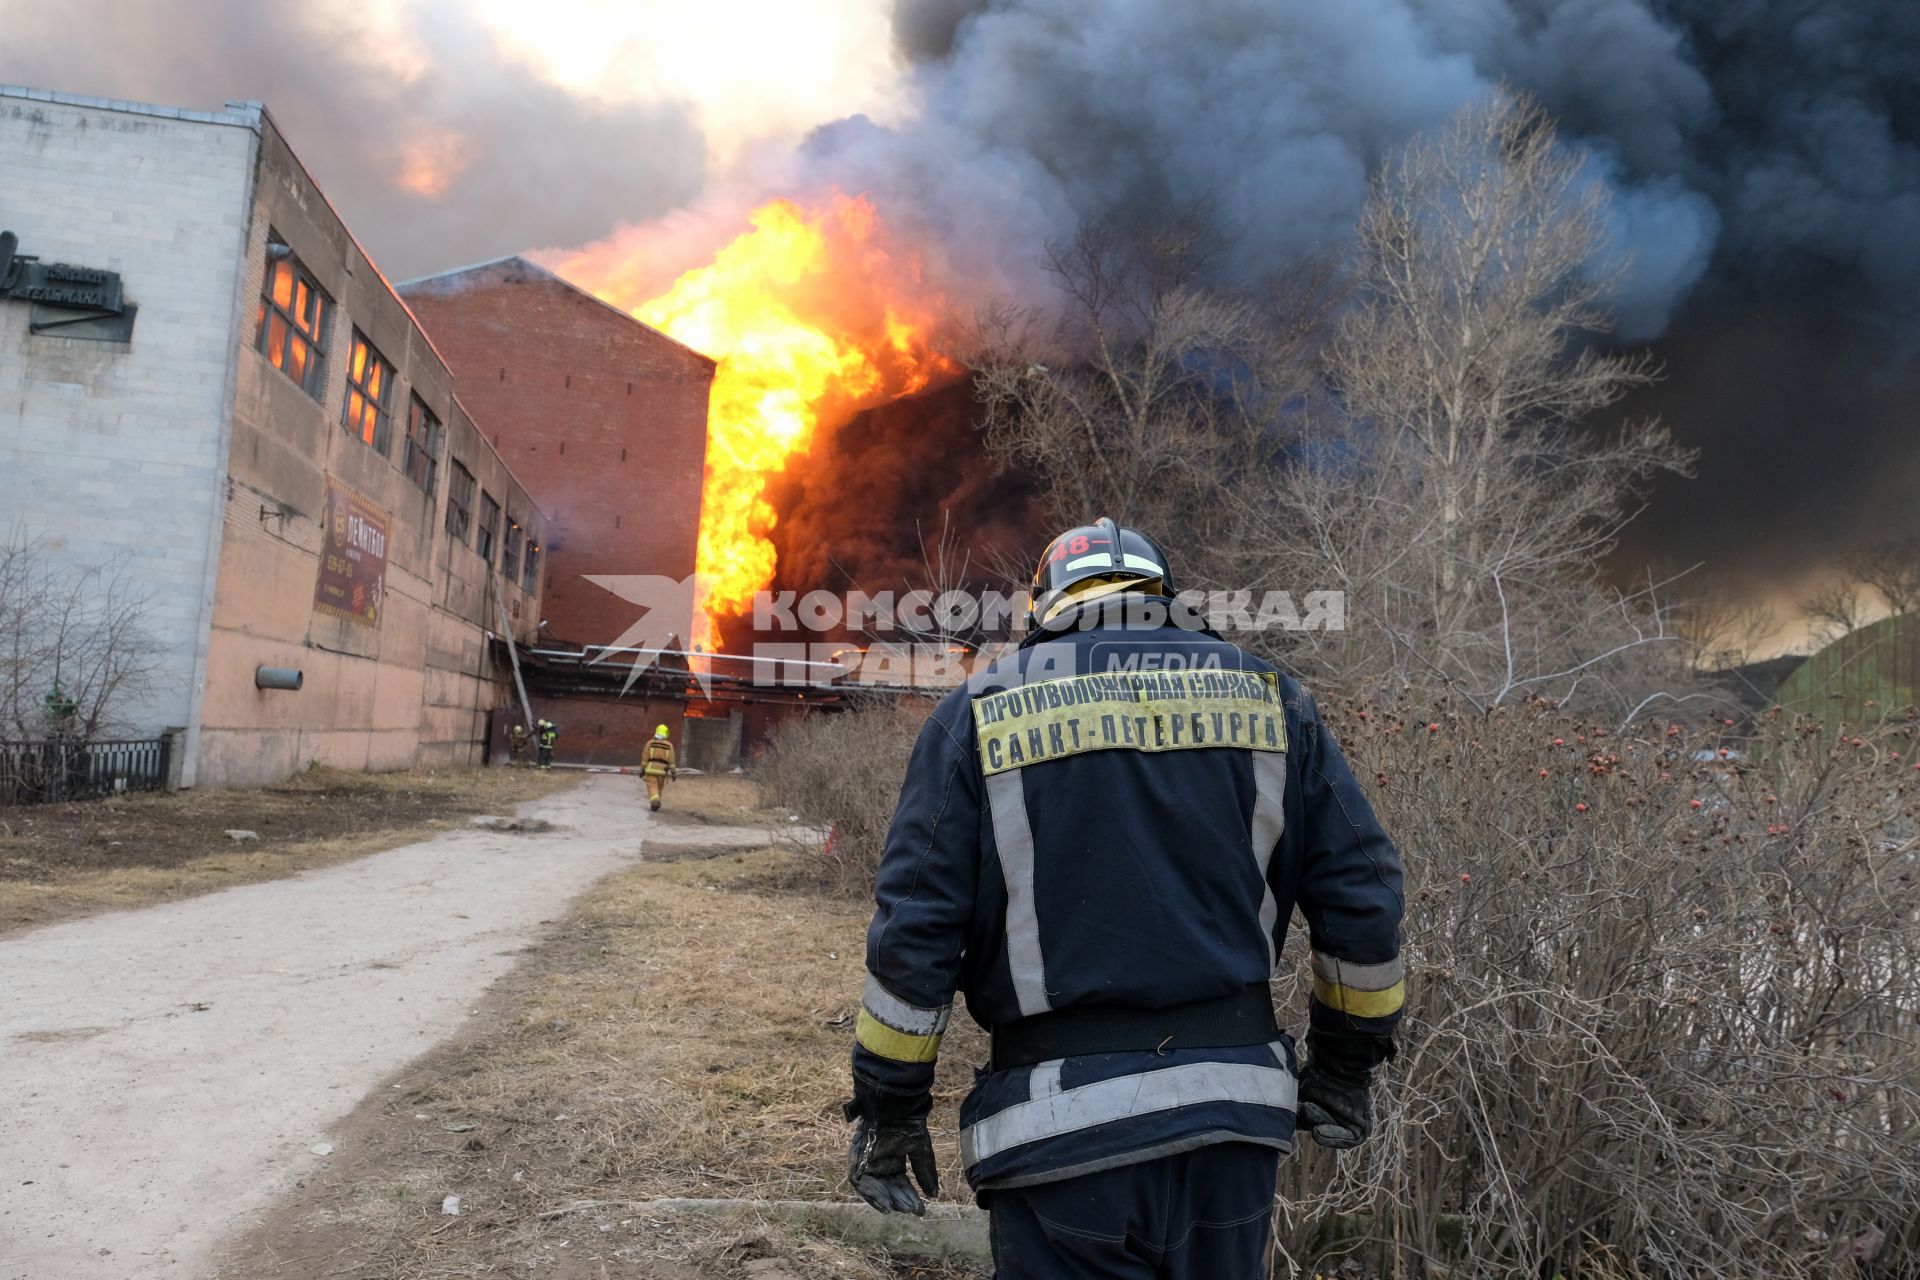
{"x": 549, "y": 733}
{"x": 517, "y": 745}
{"x": 658, "y": 766}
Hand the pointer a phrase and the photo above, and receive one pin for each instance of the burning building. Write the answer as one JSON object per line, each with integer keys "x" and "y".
{"x": 814, "y": 314}
{"x": 662, "y": 434}
{"x": 209, "y": 384}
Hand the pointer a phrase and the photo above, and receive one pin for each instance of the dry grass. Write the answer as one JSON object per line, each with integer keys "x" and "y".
{"x": 719, "y": 798}
{"x": 842, "y": 774}
{"x": 62, "y": 861}
{"x": 686, "y": 1033}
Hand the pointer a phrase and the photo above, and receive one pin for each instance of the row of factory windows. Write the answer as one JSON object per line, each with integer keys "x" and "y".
{"x": 293, "y": 325}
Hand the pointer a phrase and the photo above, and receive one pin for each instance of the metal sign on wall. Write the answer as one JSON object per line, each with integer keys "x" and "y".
{"x": 353, "y": 558}
{"x": 75, "y": 301}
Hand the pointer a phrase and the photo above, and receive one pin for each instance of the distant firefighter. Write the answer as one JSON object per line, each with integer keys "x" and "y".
{"x": 517, "y": 745}
{"x": 549, "y": 734}
{"x": 658, "y": 766}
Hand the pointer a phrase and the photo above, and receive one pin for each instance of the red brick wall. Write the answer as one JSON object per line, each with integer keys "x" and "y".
{"x": 607, "y": 730}
{"x": 602, "y": 418}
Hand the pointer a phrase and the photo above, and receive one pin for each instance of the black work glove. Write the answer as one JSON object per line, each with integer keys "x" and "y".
{"x": 889, "y": 1135}
{"x": 1336, "y": 1103}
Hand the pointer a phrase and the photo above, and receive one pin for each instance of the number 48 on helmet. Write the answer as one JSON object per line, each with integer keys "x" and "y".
{"x": 1084, "y": 558}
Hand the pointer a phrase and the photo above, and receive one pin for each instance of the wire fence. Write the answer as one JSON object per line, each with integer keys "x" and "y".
{"x": 63, "y": 769}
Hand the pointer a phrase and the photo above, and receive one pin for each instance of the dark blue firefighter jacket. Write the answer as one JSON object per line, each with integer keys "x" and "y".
{"x": 1127, "y": 815}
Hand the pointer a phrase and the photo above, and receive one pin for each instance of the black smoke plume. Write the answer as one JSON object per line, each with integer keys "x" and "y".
{"x": 1761, "y": 157}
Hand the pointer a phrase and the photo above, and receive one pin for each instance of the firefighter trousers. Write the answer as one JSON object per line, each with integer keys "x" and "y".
{"x": 1201, "y": 1215}
{"x": 656, "y": 788}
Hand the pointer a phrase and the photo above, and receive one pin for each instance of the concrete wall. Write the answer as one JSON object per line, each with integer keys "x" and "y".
{"x": 604, "y": 418}
{"x": 417, "y": 688}
{"x": 118, "y": 449}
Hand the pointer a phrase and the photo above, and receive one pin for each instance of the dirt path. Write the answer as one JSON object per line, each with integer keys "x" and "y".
{"x": 167, "y": 1072}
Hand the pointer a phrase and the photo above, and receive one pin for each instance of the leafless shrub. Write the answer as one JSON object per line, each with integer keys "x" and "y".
{"x": 1662, "y": 994}
{"x": 76, "y": 651}
{"x": 843, "y": 772}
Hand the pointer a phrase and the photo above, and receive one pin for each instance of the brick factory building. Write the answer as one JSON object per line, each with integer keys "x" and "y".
{"x": 205, "y": 379}
{"x": 605, "y": 419}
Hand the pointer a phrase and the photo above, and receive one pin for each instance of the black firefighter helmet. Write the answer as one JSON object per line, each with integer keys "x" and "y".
{"x": 1099, "y": 552}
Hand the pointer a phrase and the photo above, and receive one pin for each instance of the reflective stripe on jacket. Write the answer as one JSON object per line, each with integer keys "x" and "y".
{"x": 1124, "y": 815}
{"x": 658, "y": 757}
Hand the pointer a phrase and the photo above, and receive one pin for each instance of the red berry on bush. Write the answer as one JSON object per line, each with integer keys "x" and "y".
{"x": 1696, "y": 803}
{"x": 1581, "y": 807}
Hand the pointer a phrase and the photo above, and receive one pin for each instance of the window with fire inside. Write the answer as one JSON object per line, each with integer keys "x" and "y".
{"x": 369, "y": 386}
{"x": 293, "y": 319}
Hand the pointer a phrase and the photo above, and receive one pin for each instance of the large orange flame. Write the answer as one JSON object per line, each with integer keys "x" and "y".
{"x": 812, "y": 316}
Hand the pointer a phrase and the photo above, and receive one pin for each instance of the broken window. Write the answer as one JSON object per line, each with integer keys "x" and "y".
{"x": 369, "y": 385}
{"x": 510, "y": 551}
{"x": 489, "y": 526}
{"x": 459, "y": 502}
{"x": 293, "y": 317}
{"x": 422, "y": 458}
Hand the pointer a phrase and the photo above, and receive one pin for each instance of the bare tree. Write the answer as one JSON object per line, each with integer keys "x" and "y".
{"x": 1459, "y": 499}
{"x": 76, "y": 650}
{"x": 1718, "y": 627}
{"x": 1891, "y": 570}
{"x": 1148, "y": 396}
{"x": 1879, "y": 575}
{"x": 1834, "y": 608}
{"x": 1412, "y": 433}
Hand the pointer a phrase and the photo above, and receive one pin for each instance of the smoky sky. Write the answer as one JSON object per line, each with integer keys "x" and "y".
{"x": 536, "y": 166}
{"x": 1760, "y": 157}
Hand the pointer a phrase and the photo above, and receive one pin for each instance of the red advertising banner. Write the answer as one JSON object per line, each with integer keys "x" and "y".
{"x": 353, "y": 558}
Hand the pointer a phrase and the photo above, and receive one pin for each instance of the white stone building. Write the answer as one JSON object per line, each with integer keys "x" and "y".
{"x": 169, "y": 437}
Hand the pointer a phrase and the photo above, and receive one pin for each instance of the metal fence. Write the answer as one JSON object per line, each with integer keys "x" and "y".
{"x": 37, "y": 772}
